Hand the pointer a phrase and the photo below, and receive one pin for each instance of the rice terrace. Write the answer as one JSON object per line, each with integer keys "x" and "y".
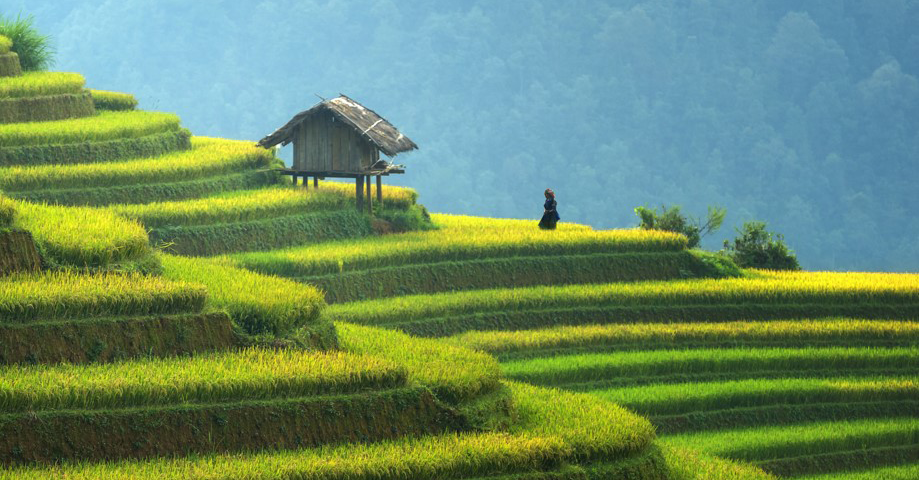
{"x": 179, "y": 306}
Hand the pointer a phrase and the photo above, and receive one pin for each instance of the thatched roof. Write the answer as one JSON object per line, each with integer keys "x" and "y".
{"x": 362, "y": 119}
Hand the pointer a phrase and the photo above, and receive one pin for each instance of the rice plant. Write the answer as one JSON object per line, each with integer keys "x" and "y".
{"x": 560, "y": 428}
{"x": 769, "y": 288}
{"x": 641, "y": 365}
{"x": 801, "y": 332}
{"x": 458, "y": 239}
{"x": 677, "y": 398}
{"x": 258, "y": 303}
{"x": 208, "y": 156}
{"x": 60, "y": 295}
{"x": 104, "y": 126}
{"x": 250, "y": 374}
{"x": 106, "y": 100}
{"x": 238, "y": 206}
{"x": 454, "y": 372}
{"x": 8, "y": 211}
{"x": 35, "y": 84}
{"x": 897, "y": 472}
{"x": 81, "y": 236}
{"x": 767, "y": 443}
{"x": 689, "y": 464}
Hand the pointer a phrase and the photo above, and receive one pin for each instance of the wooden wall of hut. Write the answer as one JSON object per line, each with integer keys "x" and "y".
{"x": 324, "y": 144}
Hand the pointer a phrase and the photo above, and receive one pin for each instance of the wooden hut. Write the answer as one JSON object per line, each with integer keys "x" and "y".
{"x": 341, "y": 138}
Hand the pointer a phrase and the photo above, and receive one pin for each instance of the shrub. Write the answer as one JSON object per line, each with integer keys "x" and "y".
{"x": 756, "y": 247}
{"x": 34, "y": 50}
{"x": 672, "y": 220}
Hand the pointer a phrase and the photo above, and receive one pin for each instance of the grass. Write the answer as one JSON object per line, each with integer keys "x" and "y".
{"x": 82, "y": 237}
{"x": 36, "y": 84}
{"x": 768, "y": 443}
{"x": 5, "y": 44}
{"x": 258, "y": 303}
{"x": 104, "y": 126}
{"x": 208, "y": 156}
{"x": 672, "y": 399}
{"x": 239, "y": 206}
{"x": 640, "y": 365}
{"x": 34, "y": 49}
{"x": 801, "y": 332}
{"x": 250, "y": 374}
{"x": 770, "y": 288}
{"x": 59, "y": 295}
{"x": 106, "y": 100}
{"x": 457, "y": 239}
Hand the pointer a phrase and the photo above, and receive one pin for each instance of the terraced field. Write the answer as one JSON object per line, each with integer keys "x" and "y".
{"x": 307, "y": 346}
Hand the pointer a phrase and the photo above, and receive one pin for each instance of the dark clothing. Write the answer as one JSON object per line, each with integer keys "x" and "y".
{"x": 550, "y": 218}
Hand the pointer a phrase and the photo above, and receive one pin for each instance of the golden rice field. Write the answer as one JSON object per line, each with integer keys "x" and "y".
{"x": 767, "y": 443}
{"x": 55, "y": 295}
{"x": 681, "y": 398}
{"x": 249, "y": 374}
{"x": 103, "y": 126}
{"x": 258, "y": 303}
{"x": 8, "y": 211}
{"x": 458, "y": 238}
{"x": 34, "y": 84}
{"x": 247, "y": 205}
{"x": 82, "y": 236}
{"x": 458, "y": 372}
{"x": 556, "y": 427}
{"x": 847, "y": 331}
{"x": 208, "y": 156}
{"x": 106, "y": 100}
{"x": 765, "y": 288}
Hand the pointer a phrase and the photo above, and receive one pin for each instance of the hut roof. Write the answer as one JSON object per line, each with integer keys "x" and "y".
{"x": 364, "y": 120}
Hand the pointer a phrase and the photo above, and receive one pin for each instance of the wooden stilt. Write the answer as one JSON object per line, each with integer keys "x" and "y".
{"x": 315, "y": 182}
{"x": 369, "y": 196}
{"x": 294, "y": 177}
{"x": 306, "y": 182}
{"x": 380, "y": 190}
{"x": 359, "y": 185}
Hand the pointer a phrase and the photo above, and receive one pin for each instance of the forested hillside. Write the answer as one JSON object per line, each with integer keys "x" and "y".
{"x": 802, "y": 114}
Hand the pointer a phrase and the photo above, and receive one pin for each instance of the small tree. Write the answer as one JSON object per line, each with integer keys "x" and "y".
{"x": 756, "y": 247}
{"x": 34, "y": 49}
{"x": 672, "y": 220}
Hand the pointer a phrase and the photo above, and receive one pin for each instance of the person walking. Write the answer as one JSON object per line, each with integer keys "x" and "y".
{"x": 550, "y": 216}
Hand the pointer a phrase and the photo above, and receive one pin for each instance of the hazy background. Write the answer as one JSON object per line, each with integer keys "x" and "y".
{"x": 804, "y": 114}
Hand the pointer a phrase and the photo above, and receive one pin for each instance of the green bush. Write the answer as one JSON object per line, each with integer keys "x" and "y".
{"x": 415, "y": 217}
{"x": 34, "y": 50}
{"x": 672, "y": 220}
{"x": 756, "y": 247}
